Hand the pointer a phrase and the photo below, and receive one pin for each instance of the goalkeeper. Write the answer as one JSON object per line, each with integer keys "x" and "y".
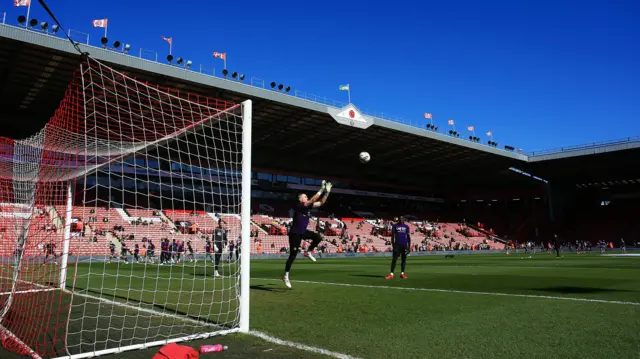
{"x": 401, "y": 243}
{"x": 299, "y": 227}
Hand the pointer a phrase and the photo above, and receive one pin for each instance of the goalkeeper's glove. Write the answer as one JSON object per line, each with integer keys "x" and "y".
{"x": 328, "y": 187}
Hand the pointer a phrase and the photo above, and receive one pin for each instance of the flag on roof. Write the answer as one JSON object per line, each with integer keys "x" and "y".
{"x": 100, "y": 23}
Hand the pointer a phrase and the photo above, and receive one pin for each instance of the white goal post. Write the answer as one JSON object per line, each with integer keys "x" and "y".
{"x": 114, "y": 217}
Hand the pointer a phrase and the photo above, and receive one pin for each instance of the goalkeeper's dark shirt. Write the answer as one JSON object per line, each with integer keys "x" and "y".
{"x": 400, "y": 234}
{"x": 301, "y": 215}
{"x": 219, "y": 236}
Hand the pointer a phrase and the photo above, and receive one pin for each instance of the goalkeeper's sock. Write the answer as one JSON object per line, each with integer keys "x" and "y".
{"x": 286, "y": 275}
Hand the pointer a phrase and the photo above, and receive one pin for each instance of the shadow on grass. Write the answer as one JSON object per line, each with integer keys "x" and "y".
{"x": 366, "y": 275}
{"x": 577, "y": 290}
{"x": 267, "y": 288}
{"x": 163, "y": 309}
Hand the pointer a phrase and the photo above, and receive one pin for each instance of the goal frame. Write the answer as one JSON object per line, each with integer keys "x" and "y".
{"x": 245, "y": 254}
{"x": 246, "y": 109}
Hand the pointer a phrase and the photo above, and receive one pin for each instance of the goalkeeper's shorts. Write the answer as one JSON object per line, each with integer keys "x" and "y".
{"x": 296, "y": 239}
{"x": 399, "y": 250}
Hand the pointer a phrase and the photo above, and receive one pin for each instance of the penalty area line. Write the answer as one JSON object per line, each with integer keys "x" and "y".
{"x": 531, "y": 296}
{"x": 300, "y": 346}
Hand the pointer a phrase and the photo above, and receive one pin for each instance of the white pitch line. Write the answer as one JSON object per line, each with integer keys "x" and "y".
{"x": 299, "y": 346}
{"x": 532, "y": 296}
{"x": 30, "y": 291}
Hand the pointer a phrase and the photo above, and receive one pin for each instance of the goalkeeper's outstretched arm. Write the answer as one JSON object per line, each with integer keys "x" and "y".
{"x": 314, "y": 202}
{"x": 316, "y": 196}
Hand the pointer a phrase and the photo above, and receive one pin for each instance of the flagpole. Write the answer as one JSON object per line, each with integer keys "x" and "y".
{"x": 105, "y": 30}
{"x": 170, "y": 46}
{"x": 225, "y": 60}
{"x": 28, "y": 11}
{"x": 349, "y": 93}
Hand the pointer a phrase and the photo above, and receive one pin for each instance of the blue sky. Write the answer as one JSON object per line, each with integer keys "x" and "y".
{"x": 538, "y": 74}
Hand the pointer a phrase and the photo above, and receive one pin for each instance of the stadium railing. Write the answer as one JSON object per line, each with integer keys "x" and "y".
{"x": 585, "y": 146}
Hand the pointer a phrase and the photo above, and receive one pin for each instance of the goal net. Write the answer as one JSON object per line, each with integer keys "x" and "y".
{"x": 124, "y": 223}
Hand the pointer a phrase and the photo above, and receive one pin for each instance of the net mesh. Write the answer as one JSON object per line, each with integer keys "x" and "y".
{"x": 120, "y": 220}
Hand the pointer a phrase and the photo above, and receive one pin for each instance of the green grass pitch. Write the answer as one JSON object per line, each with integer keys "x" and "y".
{"x": 469, "y": 306}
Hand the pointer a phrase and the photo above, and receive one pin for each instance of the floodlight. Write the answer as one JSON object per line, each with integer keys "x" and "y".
{"x": 33, "y": 22}
{"x": 234, "y": 75}
{"x": 169, "y": 58}
{"x": 127, "y": 47}
{"x": 189, "y": 63}
{"x": 225, "y": 72}
{"x": 116, "y": 44}
{"x": 273, "y": 85}
{"x": 180, "y": 61}
{"x": 104, "y": 41}
{"x": 22, "y": 19}
{"x": 280, "y": 87}
{"x": 242, "y": 77}
{"x": 288, "y": 89}
{"x": 54, "y": 28}
{"x": 44, "y": 26}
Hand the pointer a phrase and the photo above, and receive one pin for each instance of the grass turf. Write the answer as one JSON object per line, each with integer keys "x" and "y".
{"x": 383, "y": 322}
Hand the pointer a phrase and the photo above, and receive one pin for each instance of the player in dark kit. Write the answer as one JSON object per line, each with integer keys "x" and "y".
{"x": 401, "y": 243}
{"x": 299, "y": 231}
{"x": 219, "y": 242}
{"x": 557, "y": 245}
{"x": 50, "y": 252}
{"x": 192, "y": 258}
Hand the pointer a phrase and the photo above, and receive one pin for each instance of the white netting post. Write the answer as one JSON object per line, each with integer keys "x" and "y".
{"x": 245, "y": 254}
{"x": 67, "y": 238}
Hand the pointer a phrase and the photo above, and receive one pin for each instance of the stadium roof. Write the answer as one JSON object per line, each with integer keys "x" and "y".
{"x": 290, "y": 134}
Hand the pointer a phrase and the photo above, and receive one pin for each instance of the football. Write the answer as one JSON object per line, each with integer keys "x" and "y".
{"x": 365, "y": 157}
